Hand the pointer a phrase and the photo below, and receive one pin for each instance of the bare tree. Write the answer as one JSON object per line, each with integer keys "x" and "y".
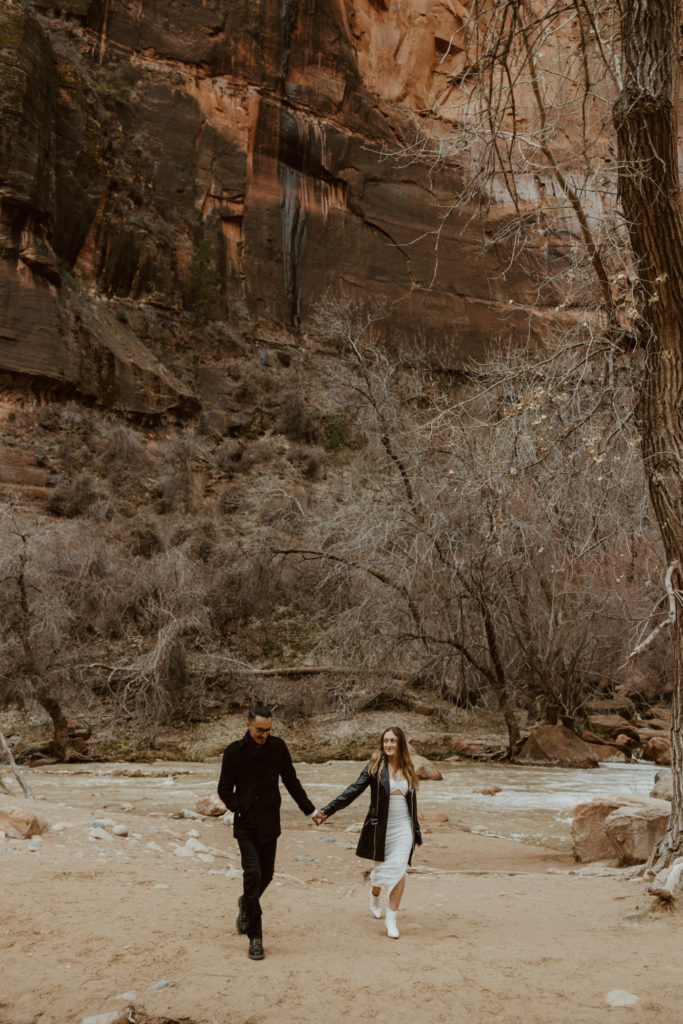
{"x": 485, "y": 539}
{"x": 571, "y": 112}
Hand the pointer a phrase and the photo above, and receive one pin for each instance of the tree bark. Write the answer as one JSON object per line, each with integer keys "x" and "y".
{"x": 645, "y": 119}
{"x": 60, "y": 744}
{"x": 13, "y": 765}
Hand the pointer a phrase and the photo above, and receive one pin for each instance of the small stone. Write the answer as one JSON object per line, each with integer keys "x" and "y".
{"x": 208, "y": 858}
{"x": 327, "y": 839}
{"x": 151, "y": 845}
{"x": 161, "y": 885}
{"x": 100, "y": 833}
{"x": 113, "y": 1017}
{"x": 183, "y": 851}
{"x": 195, "y": 846}
{"x": 120, "y": 830}
{"x": 304, "y": 858}
{"x": 158, "y": 985}
{"x": 127, "y": 997}
{"x": 619, "y": 997}
{"x": 210, "y": 806}
{"x": 35, "y": 845}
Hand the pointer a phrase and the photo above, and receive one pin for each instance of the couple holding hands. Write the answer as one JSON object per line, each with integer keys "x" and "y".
{"x": 249, "y": 786}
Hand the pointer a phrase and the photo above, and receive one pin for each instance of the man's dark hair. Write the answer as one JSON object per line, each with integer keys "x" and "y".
{"x": 258, "y": 710}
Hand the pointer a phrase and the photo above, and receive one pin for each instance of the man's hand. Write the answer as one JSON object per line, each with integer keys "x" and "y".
{"x": 319, "y": 817}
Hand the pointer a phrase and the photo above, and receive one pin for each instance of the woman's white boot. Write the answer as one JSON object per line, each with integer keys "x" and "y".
{"x": 375, "y": 904}
{"x": 390, "y": 921}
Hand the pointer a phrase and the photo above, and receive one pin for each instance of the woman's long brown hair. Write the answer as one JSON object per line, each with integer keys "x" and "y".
{"x": 405, "y": 761}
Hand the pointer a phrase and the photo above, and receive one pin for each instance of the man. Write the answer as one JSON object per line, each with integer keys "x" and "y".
{"x": 249, "y": 787}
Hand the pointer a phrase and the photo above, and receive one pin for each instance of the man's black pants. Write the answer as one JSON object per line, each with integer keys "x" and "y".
{"x": 258, "y": 865}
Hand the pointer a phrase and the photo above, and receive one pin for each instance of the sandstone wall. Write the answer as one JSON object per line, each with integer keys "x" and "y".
{"x": 229, "y": 159}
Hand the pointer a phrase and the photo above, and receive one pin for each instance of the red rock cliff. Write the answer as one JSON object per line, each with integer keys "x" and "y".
{"x": 227, "y": 158}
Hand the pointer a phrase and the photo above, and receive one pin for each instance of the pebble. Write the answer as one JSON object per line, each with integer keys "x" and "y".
{"x": 161, "y": 885}
{"x": 197, "y": 847}
{"x": 100, "y": 833}
{"x": 128, "y": 997}
{"x": 113, "y": 1017}
{"x": 304, "y": 858}
{"x": 158, "y": 985}
{"x": 120, "y": 830}
{"x": 620, "y": 997}
{"x": 35, "y": 845}
{"x": 327, "y": 839}
{"x": 183, "y": 851}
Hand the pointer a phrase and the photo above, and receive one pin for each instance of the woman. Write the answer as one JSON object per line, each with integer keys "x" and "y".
{"x": 391, "y": 830}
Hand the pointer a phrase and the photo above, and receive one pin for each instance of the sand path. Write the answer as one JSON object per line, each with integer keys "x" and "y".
{"x": 491, "y": 930}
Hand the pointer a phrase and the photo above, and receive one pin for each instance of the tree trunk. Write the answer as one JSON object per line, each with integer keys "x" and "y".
{"x": 60, "y": 744}
{"x": 13, "y": 765}
{"x": 645, "y": 118}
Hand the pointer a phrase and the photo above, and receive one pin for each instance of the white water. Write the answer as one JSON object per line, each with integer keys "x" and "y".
{"x": 535, "y": 804}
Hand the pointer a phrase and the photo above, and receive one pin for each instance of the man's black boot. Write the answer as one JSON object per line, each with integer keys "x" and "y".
{"x": 242, "y": 919}
{"x": 256, "y": 949}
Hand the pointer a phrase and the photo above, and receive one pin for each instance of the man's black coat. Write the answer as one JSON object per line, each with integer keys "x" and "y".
{"x": 374, "y": 831}
{"x": 249, "y": 787}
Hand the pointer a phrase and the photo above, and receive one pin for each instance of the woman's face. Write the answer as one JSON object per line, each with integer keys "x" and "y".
{"x": 390, "y": 743}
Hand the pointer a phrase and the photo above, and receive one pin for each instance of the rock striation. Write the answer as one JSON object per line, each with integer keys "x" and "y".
{"x": 229, "y": 160}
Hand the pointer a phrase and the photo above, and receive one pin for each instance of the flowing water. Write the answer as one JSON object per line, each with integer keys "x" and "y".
{"x": 534, "y": 805}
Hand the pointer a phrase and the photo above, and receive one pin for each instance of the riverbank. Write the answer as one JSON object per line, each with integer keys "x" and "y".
{"x": 316, "y": 738}
{"x": 490, "y": 929}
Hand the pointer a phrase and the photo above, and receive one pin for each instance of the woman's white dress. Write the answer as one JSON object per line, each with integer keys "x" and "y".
{"x": 399, "y": 839}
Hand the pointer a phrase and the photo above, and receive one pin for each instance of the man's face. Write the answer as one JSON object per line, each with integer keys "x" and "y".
{"x": 259, "y": 728}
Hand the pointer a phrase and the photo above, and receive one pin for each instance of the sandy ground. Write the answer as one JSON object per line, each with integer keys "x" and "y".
{"x": 491, "y": 930}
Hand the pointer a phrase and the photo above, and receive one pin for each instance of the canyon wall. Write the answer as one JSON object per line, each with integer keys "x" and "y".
{"x": 232, "y": 161}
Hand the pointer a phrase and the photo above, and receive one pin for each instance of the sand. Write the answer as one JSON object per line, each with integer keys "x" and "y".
{"x": 491, "y": 930}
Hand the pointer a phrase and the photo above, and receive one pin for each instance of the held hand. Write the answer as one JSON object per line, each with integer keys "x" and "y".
{"x": 319, "y": 818}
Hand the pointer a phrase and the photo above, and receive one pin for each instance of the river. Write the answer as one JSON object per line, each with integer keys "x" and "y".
{"x": 534, "y": 805}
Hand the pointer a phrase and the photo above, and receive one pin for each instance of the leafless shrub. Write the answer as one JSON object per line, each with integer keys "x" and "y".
{"x": 76, "y": 497}
{"x": 228, "y": 454}
{"x": 296, "y": 421}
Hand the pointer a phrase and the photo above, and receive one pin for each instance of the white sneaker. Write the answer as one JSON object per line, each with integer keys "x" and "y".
{"x": 375, "y": 904}
{"x": 390, "y": 921}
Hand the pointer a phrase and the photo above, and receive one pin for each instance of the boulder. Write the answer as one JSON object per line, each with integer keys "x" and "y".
{"x": 606, "y": 726}
{"x": 668, "y": 883}
{"x": 635, "y": 830}
{"x": 211, "y": 806}
{"x": 464, "y": 750}
{"x": 609, "y": 752}
{"x": 424, "y": 769}
{"x": 591, "y": 838}
{"x": 559, "y": 746}
{"x": 22, "y": 822}
{"x": 663, "y": 788}
{"x": 618, "y": 705}
{"x": 658, "y": 749}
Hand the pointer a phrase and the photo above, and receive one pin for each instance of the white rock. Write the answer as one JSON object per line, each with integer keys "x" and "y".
{"x": 620, "y": 997}
{"x": 151, "y": 845}
{"x": 183, "y": 851}
{"x": 100, "y": 833}
{"x": 194, "y": 833}
{"x": 208, "y": 858}
{"x": 120, "y": 830}
{"x": 127, "y": 997}
{"x": 197, "y": 847}
{"x": 114, "y": 1017}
